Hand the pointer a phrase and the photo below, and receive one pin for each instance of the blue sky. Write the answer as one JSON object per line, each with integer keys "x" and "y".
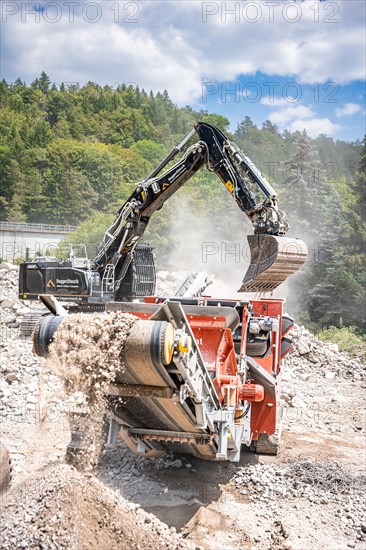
{"x": 300, "y": 64}
{"x": 328, "y": 107}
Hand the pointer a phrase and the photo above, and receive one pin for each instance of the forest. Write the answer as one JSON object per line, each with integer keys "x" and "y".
{"x": 72, "y": 154}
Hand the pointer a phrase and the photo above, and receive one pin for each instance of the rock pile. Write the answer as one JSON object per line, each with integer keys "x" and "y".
{"x": 126, "y": 473}
{"x": 322, "y": 391}
{"x": 19, "y": 369}
{"x": 319, "y": 483}
{"x": 313, "y": 355}
{"x": 61, "y": 508}
{"x": 317, "y": 384}
{"x": 168, "y": 282}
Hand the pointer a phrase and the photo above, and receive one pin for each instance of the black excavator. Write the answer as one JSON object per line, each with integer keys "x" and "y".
{"x": 124, "y": 270}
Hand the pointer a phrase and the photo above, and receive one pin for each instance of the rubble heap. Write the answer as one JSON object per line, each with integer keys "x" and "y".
{"x": 61, "y": 508}
{"x": 314, "y": 489}
{"x": 311, "y": 354}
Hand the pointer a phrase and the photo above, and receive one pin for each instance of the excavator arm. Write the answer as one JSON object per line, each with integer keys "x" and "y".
{"x": 273, "y": 257}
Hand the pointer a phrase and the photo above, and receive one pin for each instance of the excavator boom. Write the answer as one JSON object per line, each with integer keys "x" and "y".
{"x": 273, "y": 257}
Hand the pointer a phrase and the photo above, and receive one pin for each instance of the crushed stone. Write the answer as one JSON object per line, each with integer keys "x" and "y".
{"x": 318, "y": 503}
{"x": 60, "y": 507}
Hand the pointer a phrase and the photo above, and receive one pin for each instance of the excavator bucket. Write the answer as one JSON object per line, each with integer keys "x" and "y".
{"x": 273, "y": 260}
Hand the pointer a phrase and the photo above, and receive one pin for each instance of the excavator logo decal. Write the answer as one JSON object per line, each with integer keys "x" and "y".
{"x": 51, "y": 283}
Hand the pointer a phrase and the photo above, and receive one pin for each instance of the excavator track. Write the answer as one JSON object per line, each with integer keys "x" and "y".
{"x": 273, "y": 260}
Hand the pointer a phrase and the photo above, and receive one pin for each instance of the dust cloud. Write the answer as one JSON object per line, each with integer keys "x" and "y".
{"x": 215, "y": 242}
{"x": 86, "y": 353}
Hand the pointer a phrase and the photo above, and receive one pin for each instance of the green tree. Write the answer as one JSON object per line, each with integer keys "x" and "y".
{"x": 150, "y": 150}
{"x": 69, "y": 152}
{"x": 217, "y": 120}
{"x": 90, "y": 233}
{"x": 16, "y": 208}
{"x": 305, "y": 191}
{"x": 268, "y": 126}
{"x": 245, "y": 127}
{"x": 42, "y": 83}
{"x": 313, "y": 210}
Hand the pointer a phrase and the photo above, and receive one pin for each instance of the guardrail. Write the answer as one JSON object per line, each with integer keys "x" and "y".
{"x": 15, "y": 226}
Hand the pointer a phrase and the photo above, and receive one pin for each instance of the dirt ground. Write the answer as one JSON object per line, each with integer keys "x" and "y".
{"x": 311, "y": 496}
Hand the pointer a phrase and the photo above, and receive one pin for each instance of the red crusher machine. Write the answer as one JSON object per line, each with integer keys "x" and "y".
{"x": 198, "y": 375}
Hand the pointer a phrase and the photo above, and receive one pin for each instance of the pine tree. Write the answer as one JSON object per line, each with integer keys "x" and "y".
{"x": 244, "y": 127}
{"x": 360, "y": 185}
{"x": 351, "y": 269}
{"x": 323, "y": 299}
{"x": 268, "y": 126}
{"x": 305, "y": 190}
{"x": 313, "y": 210}
{"x": 42, "y": 83}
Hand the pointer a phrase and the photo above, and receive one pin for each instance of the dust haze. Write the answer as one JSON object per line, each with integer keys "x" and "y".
{"x": 215, "y": 244}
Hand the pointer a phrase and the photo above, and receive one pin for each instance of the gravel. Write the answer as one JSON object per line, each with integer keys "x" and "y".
{"x": 311, "y": 357}
{"x": 321, "y": 492}
{"x": 62, "y": 508}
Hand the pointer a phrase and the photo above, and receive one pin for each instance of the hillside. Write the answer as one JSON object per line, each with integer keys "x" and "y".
{"x": 73, "y": 154}
{"x": 70, "y": 151}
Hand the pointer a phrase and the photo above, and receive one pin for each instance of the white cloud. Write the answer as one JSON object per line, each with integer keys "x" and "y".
{"x": 301, "y": 117}
{"x": 289, "y": 113}
{"x": 315, "y": 126}
{"x": 348, "y": 109}
{"x": 272, "y": 101}
{"x": 170, "y": 46}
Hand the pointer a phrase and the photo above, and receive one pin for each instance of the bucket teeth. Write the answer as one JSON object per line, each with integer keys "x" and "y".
{"x": 273, "y": 260}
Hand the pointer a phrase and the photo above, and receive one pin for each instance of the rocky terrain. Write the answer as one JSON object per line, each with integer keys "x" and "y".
{"x": 309, "y": 497}
{"x": 61, "y": 508}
